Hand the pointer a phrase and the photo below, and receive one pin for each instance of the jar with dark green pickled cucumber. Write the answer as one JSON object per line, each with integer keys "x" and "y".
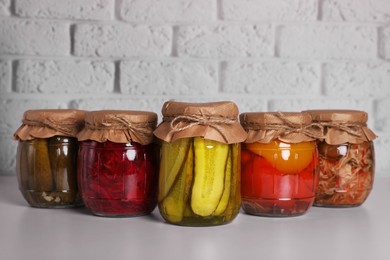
{"x": 346, "y": 158}
{"x": 199, "y": 177}
{"x": 46, "y": 159}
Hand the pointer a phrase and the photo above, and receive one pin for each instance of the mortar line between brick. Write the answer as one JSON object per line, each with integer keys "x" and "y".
{"x": 13, "y": 76}
{"x": 319, "y": 10}
{"x": 72, "y": 29}
{"x": 117, "y": 72}
{"x": 175, "y": 37}
{"x": 219, "y": 13}
{"x": 220, "y": 77}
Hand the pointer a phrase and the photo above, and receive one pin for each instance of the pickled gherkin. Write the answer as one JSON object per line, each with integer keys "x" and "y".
{"x": 203, "y": 190}
{"x": 47, "y": 172}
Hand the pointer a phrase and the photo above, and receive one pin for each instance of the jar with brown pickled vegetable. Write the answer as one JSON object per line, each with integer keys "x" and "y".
{"x": 46, "y": 157}
{"x": 199, "y": 181}
{"x": 279, "y": 163}
{"x": 346, "y": 158}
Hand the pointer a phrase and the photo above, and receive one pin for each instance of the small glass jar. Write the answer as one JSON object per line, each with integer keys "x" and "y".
{"x": 118, "y": 163}
{"x": 346, "y": 158}
{"x": 279, "y": 163}
{"x": 199, "y": 182}
{"x": 46, "y": 160}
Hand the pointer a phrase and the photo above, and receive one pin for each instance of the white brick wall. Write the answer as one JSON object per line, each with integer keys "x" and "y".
{"x": 265, "y": 55}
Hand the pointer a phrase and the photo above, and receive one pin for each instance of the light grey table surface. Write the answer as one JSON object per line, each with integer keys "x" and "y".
{"x": 322, "y": 233}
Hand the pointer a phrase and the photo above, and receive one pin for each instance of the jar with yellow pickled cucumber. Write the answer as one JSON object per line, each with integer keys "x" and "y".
{"x": 346, "y": 158}
{"x": 46, "y": 159}
{"x": 279, "y": 163}
{"x": 199, "y": 179}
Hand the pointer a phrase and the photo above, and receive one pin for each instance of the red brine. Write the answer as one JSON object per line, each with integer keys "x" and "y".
{"x": 269, "y": 191}
{"x": 118, "y": 179}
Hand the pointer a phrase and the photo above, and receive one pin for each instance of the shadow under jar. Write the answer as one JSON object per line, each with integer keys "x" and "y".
{"x": 199, "y": 181}
{"x": 346, "y": 158}
{"x": 118, "y": 163}
{"x": 279, "y": 164}
{"x": 46, "y": 161}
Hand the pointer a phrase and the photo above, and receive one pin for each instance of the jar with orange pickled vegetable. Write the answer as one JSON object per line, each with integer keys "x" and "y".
{"x": 199, "y": 180}
{"x": 346, "y": 158}
{"x": 279, "y": 163}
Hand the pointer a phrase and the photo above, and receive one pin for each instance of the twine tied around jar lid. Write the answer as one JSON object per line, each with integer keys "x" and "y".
{"x": 291, "y": 127}
{"x": 343, "y": 126}
{"x": 119, "y": 126}
{"x": 46, "y": 123}
{"x": 215, "y": 121}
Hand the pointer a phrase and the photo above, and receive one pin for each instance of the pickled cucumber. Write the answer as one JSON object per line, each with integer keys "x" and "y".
{"x": 173, "y": 158}
{"x": 226, "y": 191}
{"x": 209, "y": 179}
{"x": 175, "y": 202}
{"x": 42, "y": 174}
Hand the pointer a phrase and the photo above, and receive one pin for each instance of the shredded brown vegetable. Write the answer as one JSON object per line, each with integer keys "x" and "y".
{"x": 345, "y": 180}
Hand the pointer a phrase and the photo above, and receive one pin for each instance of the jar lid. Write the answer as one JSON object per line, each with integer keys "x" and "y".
{"x": 45, "y": 123}
{"x": 215, "y": 121}
{"x": 343, "y": 126}
{"x": 119, "y": 126}
{"x": 290, "y": 127}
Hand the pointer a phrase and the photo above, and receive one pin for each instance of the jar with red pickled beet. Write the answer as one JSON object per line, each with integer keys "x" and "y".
{"x": 279, "y": 164}
{"x": 199, "y": 181}
{"x": 118, "y": 163}
{"x": 46, "y": 160}
{"x": 346, "y": 158}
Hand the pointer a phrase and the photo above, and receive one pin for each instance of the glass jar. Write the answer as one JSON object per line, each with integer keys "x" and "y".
{"x": 46, "y": 167}
{"x": 199, "y": 181}
{"x": 118, "y": 163}
{"x": 279, "y": 164}
{"x": 346, "y": 158}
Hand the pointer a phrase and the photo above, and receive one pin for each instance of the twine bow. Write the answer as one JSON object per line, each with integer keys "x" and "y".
{"x": 194, "y": 120}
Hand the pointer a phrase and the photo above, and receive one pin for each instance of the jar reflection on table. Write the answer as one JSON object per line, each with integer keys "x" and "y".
{"x": 118, "y": 179}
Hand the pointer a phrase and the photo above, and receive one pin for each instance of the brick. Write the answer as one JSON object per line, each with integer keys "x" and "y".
{"x": 356, "y": 10}
{"x": 27, "y": 37}
{"x": 269, "y": 10}
{"x": 168, "y": 11}
{"x": 168, "y": 77}
{"x": 4, "y": 7}
{"x": 382, "y": 119}
{"x": 5, "y": 76}
{"x": 357, "y": 79}
{"x": 7, "y": 155}
{"x": 66, "y": 9}
{"x": 37, "y": 76}
{"x": 11, "y": 111}
{"x": 144, "y": 103}
{"x": 121, "y": 40}
{"x": 225, "y": 41}
{"x": 385, "y": 42}
{"x": 271, "y": 77}
{"x": 328, "y": 42}
{"x": 382, "y": 151}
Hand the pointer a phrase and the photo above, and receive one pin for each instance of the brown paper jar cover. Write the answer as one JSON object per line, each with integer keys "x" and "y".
{"x": 343, "y": 126}
{"x": 45, "y": 123}
{"x": 216, "y": 121}
{"x": 119, "y": 126}
{"x": 290, "y": 127}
